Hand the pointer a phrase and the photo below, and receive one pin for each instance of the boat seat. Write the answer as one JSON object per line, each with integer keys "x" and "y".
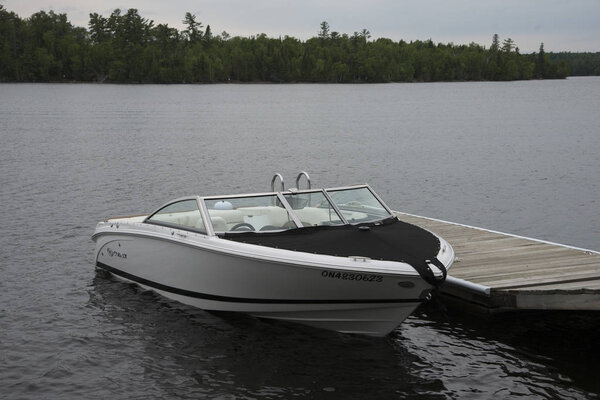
{"x": 219, "y": 224}
{"x": 323, "y": 216}
{"x": 185, "y": 218}
{"x": 230, "y": 217}
{"x": 315, "y": 216}
{"x": 275, "y": 216}
{"x": 188, "y": 220}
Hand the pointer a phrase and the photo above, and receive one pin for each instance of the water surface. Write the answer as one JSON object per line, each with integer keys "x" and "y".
{"x": 520, "y": 157}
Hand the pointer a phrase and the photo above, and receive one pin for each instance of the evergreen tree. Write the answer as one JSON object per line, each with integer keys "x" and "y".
{"x": 508, "y": 45}
{"x": 495, "y": 43}
{"x": 207, "y": 34}
{"x": 324, "y": 32}
{"x": 540, "y": 65}
{"x": 193, "y": 31}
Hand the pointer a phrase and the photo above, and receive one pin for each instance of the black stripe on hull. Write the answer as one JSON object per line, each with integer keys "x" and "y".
{"x": 228, "y": 299}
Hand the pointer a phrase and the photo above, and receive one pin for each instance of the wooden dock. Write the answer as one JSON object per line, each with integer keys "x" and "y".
{"x": 497, "y": 272}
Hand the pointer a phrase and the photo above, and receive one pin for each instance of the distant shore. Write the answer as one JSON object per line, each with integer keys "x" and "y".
{"x": 259, "y": 82}
{"x": 127, "y": 48}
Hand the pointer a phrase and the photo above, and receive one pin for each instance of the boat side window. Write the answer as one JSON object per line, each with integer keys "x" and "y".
{"x": 248, "y": 214}
{"x": 313, "y": 209}
{"x": 358, "y": 205}
{"x": 183, "y": 214}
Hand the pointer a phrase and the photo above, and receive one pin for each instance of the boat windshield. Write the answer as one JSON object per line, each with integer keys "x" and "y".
{"x": 358, "y": 205}
{"x": 289, "y": 210}
{"x": 180, "y": 214}
{"x": 313, "y": 208}
{"x": 248, "y": 214}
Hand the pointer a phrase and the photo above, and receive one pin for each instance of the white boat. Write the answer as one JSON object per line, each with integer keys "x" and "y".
{"x": 333, "y": 258}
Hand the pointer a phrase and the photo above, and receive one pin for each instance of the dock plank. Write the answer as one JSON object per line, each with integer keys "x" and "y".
{"x": 528, "y": 281}
{"x": 516, "y": 264}
{"x": 593, "y": 285}
{"x": 539, "y": 267}
{"x": 540, "y": 271}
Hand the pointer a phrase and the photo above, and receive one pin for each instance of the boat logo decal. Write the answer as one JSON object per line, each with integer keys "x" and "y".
{"x": 350, "y": 276}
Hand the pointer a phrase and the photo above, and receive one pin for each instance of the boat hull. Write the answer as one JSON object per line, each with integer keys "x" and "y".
{"x": 350, "y": 295}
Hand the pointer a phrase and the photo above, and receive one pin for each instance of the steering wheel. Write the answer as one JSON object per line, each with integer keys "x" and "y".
{"x": 243, "y": 226}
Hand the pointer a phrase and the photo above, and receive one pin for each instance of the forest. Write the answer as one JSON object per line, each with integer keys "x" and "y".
{"x": 578, "y": 64}
{"x": 125, "y": 47}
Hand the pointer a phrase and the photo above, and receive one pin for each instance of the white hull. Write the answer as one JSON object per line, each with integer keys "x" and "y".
{"x": 345, "y": 294}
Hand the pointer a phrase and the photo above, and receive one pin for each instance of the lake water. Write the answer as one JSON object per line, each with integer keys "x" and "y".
{"x": 519, "y": 157}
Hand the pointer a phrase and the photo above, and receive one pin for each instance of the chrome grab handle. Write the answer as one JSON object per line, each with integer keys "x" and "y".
{"x": 300, "y": 176}
{"x": 273, "y": 182}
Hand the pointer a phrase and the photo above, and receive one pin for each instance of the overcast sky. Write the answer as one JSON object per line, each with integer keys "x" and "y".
{"x": 562, "y": 25}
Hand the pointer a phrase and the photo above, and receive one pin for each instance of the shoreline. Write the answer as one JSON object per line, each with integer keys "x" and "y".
{"x": 284, "y": 83}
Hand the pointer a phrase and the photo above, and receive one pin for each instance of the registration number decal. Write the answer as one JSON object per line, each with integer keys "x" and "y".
{"x": 351, "y": 276}
{"x": 114, "y": 253}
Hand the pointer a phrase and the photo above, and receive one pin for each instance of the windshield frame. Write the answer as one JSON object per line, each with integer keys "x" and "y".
{"x": 323, "y": 191}
{"x": 384, "y": 207}
{"x": 281, "y": 197}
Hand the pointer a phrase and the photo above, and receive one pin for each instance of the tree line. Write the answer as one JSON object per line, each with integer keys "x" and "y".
{"x": 125, "y": 47}
{"x": 579, "y": 64}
